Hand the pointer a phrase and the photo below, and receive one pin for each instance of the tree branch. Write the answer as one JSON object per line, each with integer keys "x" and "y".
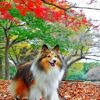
{"x": 18, "y": 25}
{"x": 93, "y": 55}
{"x": 65, "y": 9}
{"x": 86, "y": 8}
{"x": 91, "y": 59}
{"x": 77, "y": 58}
{"x": 12, "y": 59}
{"x": 54, "y": 5}
{"x": 16, "y": 41}
{"x": 2, "y": 26}
{"x": 74, "y": 53}
{"x": 15, "y": 54}
{"x": 73, "y": 61}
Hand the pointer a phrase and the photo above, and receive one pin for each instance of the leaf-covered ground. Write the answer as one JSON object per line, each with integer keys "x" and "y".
{"x": 68, "y": 90}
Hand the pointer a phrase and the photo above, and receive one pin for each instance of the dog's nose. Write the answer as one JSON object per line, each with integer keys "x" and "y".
{"x": 54, "y": 61}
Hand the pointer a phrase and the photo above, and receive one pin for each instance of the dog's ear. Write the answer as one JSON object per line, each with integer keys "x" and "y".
{"x": 56, "y": 48}
{"x": 44, "y": 47}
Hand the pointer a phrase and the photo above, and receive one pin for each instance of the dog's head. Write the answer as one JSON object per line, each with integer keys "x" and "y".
{"x": 49, "y": 58}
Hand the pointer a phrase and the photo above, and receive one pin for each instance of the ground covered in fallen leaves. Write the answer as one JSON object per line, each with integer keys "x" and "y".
{"x": 69, "y": 90}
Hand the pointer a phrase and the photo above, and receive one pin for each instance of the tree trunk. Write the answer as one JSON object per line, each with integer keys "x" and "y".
{"x": 67, "y": 65}
{"x": 65, "y": 73}
{"x": 7, "y": 74}
{"x": 1, "y": 69}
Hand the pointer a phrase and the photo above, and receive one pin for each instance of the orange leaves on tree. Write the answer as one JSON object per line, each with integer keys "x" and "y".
{"x": 4, "y": 7}
{"x": 45, "y": 11}
{"x": 76, "y": 21}
{"x": 41, "y": 11}
{"x": 24, "y": 6}
{"x": 6, "y": 15}
{"x": 52, "y": 13}
{"x": 30, "y": 4}
{"x": 84, "y": 20}
{"x": 51, "y": 1}
{"x": 72, "y": 11}
{"x": 38, "y": 3}
{"x": 22, "y": 9}
{"x": 63, "y": 4}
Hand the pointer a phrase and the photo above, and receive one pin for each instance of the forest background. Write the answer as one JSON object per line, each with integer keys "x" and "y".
{"x": 27, "y": 24}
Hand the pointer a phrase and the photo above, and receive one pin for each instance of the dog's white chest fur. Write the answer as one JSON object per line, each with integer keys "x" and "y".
{"x": 46, "y": 83}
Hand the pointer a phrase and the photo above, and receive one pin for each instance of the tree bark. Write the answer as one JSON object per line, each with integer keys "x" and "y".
{"x": 1, "y": 68}
{"x": 68, "y": 65}
{"x": 7, "y": 74}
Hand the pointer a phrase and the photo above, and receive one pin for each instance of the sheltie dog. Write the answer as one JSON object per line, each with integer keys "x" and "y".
{"x": 41, "y": 77}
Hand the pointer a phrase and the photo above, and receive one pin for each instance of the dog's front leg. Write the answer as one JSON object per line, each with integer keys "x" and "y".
{"x": 35, "y": 94}
{"x": 53, "y": 95}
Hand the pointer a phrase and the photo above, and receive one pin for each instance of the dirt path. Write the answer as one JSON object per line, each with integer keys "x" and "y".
{"x": 68, "y": 90}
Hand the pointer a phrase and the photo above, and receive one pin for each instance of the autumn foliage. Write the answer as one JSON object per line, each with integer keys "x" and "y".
{"x": 67, "y": 91}
{"x": 49, "y": 10}
{"x": 4, "y": 10}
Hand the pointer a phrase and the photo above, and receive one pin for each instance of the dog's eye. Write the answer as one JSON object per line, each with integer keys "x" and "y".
{"x": 48, "y": 56}
{"x": 55, "y": 56}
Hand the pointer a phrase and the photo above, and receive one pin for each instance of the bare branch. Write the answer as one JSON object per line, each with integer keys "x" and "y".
{"x": 91, "y": 59}
{"x": 65, "y": 9}
{"x": 18, "y": 25}
{"x": 12, "y": 59}
{"x": 74, "y": 53}
{"x": 14, "y": 51}
{"x": 93, "y": 55}
{"x": 72, "y": 61}
{"x": 54, "y": 5}
{"x": 86, "y": 8}
{"x": 81, "y": 51}
{"x": 16, "y": 41}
